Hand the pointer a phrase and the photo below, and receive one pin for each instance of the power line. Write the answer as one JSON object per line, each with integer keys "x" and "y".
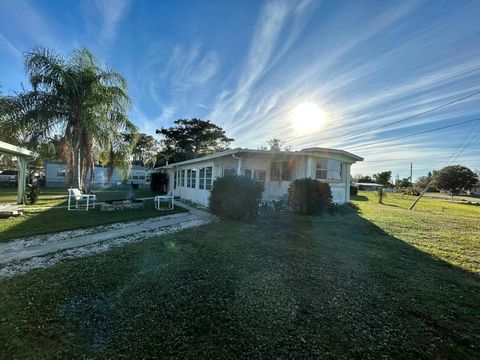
{"x": 415, "y": 115}
{"x": 417, "y": 133}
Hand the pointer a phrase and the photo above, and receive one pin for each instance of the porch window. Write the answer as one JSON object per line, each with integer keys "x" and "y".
{"x": 229, "y": 172}
{"x": 259, "y": 175}
{"x": 328, "y": 170}
{"x": 281, "y": 171}
{"x": 247, "y": 173}
{"x": 182, "y": 177}
{"x": 208, "y": 178}
{"x": 61, "y": 173}
{"x": 175, "y": 180}
{"x": 205, "y": 178}
{"x": 191, "y": 178}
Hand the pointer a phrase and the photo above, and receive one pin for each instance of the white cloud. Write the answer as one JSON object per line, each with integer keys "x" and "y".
{"x": 112, "y": 12}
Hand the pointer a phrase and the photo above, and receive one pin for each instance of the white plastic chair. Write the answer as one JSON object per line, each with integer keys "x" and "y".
{"x": 76, "y": 194}
{"x": 169, "y": 198}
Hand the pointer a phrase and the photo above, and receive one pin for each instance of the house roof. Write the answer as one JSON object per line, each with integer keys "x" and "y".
{"x": 315, "y": 151}
{"x": 9, "y": 149}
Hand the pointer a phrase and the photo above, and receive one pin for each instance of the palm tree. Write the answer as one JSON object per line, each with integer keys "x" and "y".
{"x": 77, "y": 96}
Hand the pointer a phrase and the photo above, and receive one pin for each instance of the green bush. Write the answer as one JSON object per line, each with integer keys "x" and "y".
{"x": 353, "y": 190}
{"x": 158, "y": 182}
{"x": 31, "y": 194}
{"x": 309, "y": 196}
{"x": 235, "y": 197}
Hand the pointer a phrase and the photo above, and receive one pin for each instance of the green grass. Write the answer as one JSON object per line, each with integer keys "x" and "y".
{"x": 347, "y": 286}
{"x": 39, "y": 219}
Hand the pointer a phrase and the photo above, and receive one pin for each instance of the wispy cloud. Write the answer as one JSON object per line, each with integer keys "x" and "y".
{"x": 111, "y": 12}
{"x": 9, "y": 47}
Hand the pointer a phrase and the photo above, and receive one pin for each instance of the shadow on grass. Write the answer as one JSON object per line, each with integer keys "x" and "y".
{"x": 51, "y": 220}
{"x": 359, "y": 198}
{"x": 287, "y": 286}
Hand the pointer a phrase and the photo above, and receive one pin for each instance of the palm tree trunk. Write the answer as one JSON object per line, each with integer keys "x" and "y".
{"x": 77, "y": 166}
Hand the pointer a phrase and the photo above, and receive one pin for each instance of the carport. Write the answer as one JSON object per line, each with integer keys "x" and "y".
{"x": 23, "y": 156}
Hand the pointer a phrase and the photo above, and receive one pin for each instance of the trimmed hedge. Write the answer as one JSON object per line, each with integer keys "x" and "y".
{"x": 310, "y": 196}
{"x": 235, "y": 197}
{"x": 353, "y": 190}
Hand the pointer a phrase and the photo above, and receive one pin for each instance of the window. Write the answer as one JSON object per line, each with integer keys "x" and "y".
{"x": 205, "y": 178}
{"x": 281, "y": 171}
{"x": 194, "y": 178}
{"x": 259, "y": 175}
{"x": 328, "y": 169}
{"x": 189, "y": 178}
{"x": 182, "y": 178}
{"x": 60, "y": 173}
{"x": 208, "y": 178}
{"x": 248, "y": 173}
{"x": 201, "y": 184}
{"x": 141, "y": 177}
{"x": 229, "y": 172}
{"x": 175, "y": 180}
{"x": 135, "y": 176}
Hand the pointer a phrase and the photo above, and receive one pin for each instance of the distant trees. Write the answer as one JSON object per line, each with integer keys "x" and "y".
{"x": 455, "y": 178}
{"x": 401, "y": 184}
{"x": 146, "y": 151}
{"x": 383, "y": 178}
{"x": 189, "y": 139}
{"x": 275, "y": 145}
{"x": 363, "y": 179}
{"x": 423, "y": 181}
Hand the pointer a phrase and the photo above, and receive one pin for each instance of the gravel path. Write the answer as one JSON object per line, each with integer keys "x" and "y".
{"x": 21, "y": 255}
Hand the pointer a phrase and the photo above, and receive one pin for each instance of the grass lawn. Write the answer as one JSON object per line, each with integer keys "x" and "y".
{"x": 38, "y": 220}
{"x": 383, "y": 283}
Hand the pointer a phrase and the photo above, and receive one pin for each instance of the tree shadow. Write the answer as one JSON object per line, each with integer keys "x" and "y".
{"x": 359, "y": 198}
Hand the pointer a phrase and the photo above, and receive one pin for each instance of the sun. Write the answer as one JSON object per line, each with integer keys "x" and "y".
{"x": 307, "y": 117}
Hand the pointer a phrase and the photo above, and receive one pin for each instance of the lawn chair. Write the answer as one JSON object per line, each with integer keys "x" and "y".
{"x": 76, "y": 194}
{"x": 169, "y": 198}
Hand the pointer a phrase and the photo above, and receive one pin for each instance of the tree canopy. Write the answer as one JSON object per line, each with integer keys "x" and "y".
{"x": 189, "y": 139}
{"x": 383, "y": 178}
{"x": 455, "y": 178}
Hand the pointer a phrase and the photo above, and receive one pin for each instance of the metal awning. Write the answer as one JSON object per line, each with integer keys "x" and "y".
{"x": 23, "y": 157}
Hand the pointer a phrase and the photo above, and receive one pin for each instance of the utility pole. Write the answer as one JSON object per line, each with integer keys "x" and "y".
{"x": 420, "y": 196}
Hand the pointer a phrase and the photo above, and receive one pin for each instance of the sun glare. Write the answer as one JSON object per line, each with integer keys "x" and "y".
{"x": 307, "y": 117}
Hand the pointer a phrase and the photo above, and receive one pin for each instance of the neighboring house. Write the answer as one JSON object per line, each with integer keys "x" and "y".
{"x": 367, "y": 186}
{"x": 55, "y": 173}
{"x": 192, "y": 179}
{"x": 474, "y": 189}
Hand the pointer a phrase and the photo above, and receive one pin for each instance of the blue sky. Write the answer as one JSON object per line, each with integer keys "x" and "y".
{"x": 245, "y": 65}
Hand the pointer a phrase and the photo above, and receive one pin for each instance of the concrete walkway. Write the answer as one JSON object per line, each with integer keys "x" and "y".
{"x": 134, "y": 228}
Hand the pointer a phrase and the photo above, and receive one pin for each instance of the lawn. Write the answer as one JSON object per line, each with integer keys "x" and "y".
{"x": 380, "y": 283}
{"x": 43, "y": 217}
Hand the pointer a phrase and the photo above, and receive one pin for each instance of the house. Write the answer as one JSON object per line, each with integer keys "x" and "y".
{"x": 192, "y": 179}
{"x": 474, "y": 189}
{"x": 367, "y": 186}
{"x": 55, "y": 173}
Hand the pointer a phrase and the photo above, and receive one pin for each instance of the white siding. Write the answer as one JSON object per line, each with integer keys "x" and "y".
{"x": 302, "y": 167}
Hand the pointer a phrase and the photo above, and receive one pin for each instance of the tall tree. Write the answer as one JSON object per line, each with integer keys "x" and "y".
{"x": 189, "y": 139}
{"x": 87, "y": 101}
{"x": 455, "y": 178}
{"x": 275, "y": 144}
{"x": 146, "y": 151}
{"x": 383, "y": 178}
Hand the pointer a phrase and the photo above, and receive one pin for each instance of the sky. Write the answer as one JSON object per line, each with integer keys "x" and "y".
{"x": 247, "y": 65}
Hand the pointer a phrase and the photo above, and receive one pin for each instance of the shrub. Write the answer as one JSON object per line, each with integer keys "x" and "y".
{"x": 158, "y": 182}
{"x": 31, "y": 195}
{"x": 353, "y": 190}
{"x": 309, "y": 196}
{"x": 235, "y": 197}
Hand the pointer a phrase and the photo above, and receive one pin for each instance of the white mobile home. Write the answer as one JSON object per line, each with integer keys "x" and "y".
{"x": 55, "y": 175}
{"x": 192, "y": 179}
